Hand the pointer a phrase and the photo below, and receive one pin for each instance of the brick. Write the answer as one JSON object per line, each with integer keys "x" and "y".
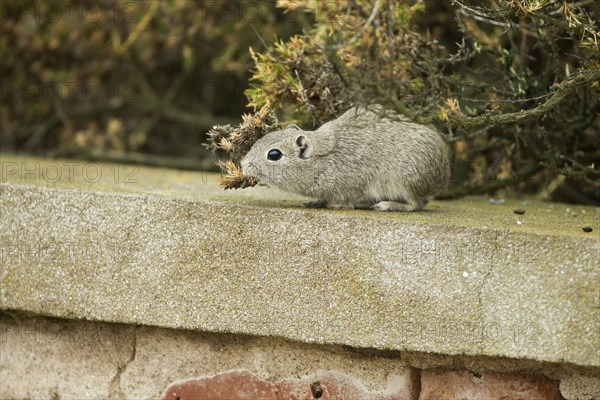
{"x": 461, "y": 385}
{"x": 243, "y": 385}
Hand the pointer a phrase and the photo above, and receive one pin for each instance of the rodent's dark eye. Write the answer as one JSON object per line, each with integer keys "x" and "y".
{"x": 274, "y": 155}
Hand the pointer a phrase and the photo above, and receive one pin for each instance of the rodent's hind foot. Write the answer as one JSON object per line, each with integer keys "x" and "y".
{"x": 315, "y": 204}
{"x": 396, "y": 206}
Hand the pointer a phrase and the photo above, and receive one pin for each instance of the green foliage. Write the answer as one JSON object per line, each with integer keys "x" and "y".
{"x": 514, "y": 83}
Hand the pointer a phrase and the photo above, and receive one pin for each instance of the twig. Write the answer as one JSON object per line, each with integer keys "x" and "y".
{"x": 260, "y": 38}
{"x": 165, "y": 102}
{"x": 507, "y": 26}
{"x": 466, "y": 190}
{"x": 550, "y": 188}
{"x": 474, "y": 11}
{"x": 372, "y": 17}
{"x": 574, "y": 162}
{"x": 565, "y": 88}
{"x": 305, "y": 98}
{"x": 139, "y": 28}
{"x": 42, "y": 129}
{"x": 509, "y": 101}
{"x": 201, "y": 118}
{"x": 337, "y": 64}
{"x": 60, "y": 111}
{"x": 155, "y": 160}
{"x": 39, "y": 132}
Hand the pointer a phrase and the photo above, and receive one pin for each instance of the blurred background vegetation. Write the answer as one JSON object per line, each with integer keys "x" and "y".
{"x": 118, "y": 79}
{"x": 515, "y": 84}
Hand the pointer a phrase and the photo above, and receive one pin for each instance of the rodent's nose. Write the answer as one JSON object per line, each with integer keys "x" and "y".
{"x": 247, "y": 167}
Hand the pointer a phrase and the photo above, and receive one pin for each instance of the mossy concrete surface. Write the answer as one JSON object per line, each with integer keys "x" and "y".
{"x": 171, "y": 249}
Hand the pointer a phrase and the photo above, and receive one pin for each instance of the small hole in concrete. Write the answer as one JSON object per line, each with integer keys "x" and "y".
{"x": 316, "y": 390}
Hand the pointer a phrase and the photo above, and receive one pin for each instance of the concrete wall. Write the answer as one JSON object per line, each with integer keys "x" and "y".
{"x": 50, "y": 358}
{"x": 189, "y": 289}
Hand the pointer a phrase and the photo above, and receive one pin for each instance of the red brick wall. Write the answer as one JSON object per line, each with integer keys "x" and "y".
{"x": 427, "y": 385}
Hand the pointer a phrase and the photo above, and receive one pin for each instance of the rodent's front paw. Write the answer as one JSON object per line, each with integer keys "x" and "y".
{"x": 324, "y": 204}
{"x": 315, "y": 204}
{"x": 340, "y": 206}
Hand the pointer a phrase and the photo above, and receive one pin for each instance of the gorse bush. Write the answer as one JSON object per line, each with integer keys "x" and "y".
{"x": 514, "y": 83}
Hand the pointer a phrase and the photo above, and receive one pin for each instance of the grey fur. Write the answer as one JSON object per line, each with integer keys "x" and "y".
{"x": 359, "y": 160}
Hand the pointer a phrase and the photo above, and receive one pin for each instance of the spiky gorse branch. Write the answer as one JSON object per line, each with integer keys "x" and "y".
{"x": 237, "y": 141}
{"x": 576, "y": 17}
{"x": 325, "y": 72}
{"x": 234, "y": 177}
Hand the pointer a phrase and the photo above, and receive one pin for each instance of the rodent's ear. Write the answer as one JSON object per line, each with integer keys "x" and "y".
{"x": 305, "y": 148}
{"x": 293, "y": 126}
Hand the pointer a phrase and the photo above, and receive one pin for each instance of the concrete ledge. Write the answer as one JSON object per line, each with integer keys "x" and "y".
{"x": 172, "y": 250}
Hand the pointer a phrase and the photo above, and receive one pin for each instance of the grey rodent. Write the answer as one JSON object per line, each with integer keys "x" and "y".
{"x": 359, "y": 160}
